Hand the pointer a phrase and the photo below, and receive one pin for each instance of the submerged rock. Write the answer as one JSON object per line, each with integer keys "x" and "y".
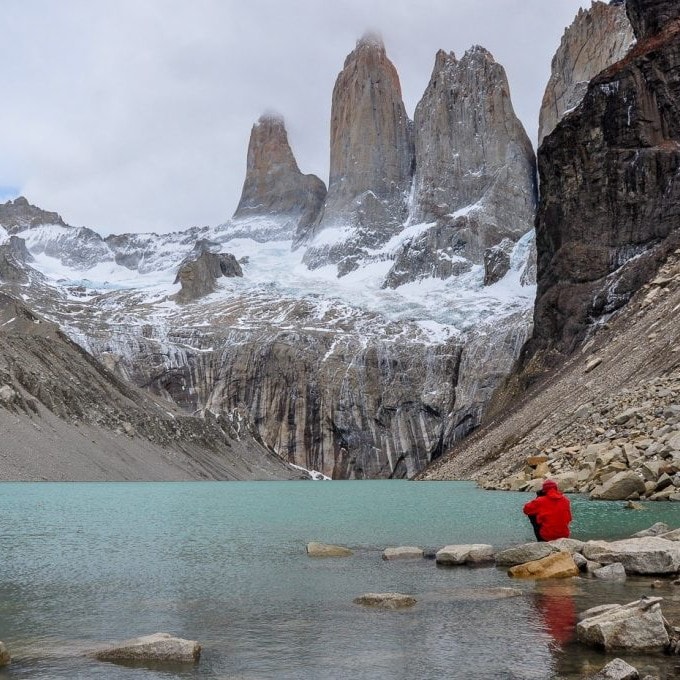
{"x": 159, "y": 647}
{"x": 315, "y": 549}
{"x": 617, "y": 669}
{"x": 386, "y": 600}
{"x": 5, "y": 657}
{"x": 612, "y": 572}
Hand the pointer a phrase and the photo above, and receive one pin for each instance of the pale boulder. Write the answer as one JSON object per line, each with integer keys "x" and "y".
{"x": 402, "y": 553}
{"x": 620, "y": 487}
{"x": 570, "y": 545}
{"x": 647, "y": 556}
{"x": 612, "y": 572}
{"x": 477, "y": 553}
{"x": 637, "y": 626}
{"x": 557, "y": 565}
{"x": 159, "y": 648}
{"x": 528, "y": 552}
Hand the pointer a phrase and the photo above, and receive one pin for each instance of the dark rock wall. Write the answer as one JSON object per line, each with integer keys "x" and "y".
{"x": 610, "y": 184}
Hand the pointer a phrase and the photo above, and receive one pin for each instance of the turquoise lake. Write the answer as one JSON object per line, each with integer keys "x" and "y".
{"x": 224, "y": 563}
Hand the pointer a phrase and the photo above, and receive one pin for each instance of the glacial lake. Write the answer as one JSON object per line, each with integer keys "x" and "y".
{"x": 224, "y": 563}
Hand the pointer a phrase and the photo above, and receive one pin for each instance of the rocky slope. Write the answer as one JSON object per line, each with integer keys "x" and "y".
{"x": 598, "y": 37}
{"x": 274, "y": 188}
{"x": 608, "y": 241}
{"x": 64, "y": 416}
{"x": 611, "y": 407}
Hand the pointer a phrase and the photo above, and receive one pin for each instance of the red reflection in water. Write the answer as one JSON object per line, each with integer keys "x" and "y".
{"x": 557, "y": 611}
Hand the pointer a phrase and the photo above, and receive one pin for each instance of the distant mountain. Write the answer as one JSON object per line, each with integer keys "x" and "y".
{"x": 370, "y": 325}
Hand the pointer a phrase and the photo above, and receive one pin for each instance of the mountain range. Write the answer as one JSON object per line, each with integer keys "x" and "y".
{"x": 361, "y": 330}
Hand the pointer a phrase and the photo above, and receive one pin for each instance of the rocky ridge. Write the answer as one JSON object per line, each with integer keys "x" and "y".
{"x": 625, "y": 423}
{"x": 599, "y": 36}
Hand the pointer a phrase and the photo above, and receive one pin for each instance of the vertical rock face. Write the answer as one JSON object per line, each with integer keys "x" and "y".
{"x": 598, "y": 37}
{"x": 475, "y": 167}
{"x": 610, "y": 186}
{"x": 274, "y": 186}
{"x": 371, "y": 159}
{"x": 651, "y": 16}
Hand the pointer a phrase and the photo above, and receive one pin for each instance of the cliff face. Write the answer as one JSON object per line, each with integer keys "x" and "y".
{"x": 274, "y": 187}
{"x": 65, "y": 417}
{"x": 598, "y": 37}
{"x": 610, "y": 186}
{"x": 371, "y": 161}
{"x": 475, "y": 169}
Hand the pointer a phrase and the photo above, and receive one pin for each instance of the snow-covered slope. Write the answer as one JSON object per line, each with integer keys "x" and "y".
{"x": 340, "y": 375}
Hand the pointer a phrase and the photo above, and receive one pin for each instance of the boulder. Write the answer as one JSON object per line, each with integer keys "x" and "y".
{"x": 557, "y": 565}
{"x": 612, "y": 572}
{"x": 325, "y": 550}
{"x": 159, "y": 648}
{"x": 655, "y": 530}
{"x": 671, "y": 535}
{"x": 570, "y": 545}
{"x": 617, "y": 669}
{"x": 636, "y": 627}
{"x": 465, "y": 554}
{"x": 647, "y": 556}
{"x": 5, "y": 657}
{"x": 386, "y": 600}
{"x": 402, "y": 553}
{"x": 520, "y": 554}
{"x": 620, "y": 487}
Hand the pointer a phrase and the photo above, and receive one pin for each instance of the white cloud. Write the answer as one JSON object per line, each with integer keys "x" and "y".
{"x": 135, "y": 116}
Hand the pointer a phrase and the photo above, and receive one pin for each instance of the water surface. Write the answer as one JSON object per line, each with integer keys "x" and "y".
{"x": 225, "y": 563}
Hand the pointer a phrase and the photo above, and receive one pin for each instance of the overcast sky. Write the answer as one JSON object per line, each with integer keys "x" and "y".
{"x": 134, "y": 115}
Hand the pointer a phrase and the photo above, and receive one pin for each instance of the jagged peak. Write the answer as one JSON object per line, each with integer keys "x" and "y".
{"x": 478, "y": 52}
{"x": 370, "y": 43}
{"x": 271, "y": 117}
{"x": 371, "y": 39}
{"x": 443, "y": 59}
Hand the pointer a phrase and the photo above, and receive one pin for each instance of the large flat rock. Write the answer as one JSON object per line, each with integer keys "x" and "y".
{"x": 159, "y": 647}
{"x": 647, "y": 555}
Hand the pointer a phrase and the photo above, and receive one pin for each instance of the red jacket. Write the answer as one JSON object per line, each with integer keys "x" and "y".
{"x": 553, "y": 514}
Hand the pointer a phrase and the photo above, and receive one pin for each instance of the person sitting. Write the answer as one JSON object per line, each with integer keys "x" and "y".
{"x": 550, "y": 513}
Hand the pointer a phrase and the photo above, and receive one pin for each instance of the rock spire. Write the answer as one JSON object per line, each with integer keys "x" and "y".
{"x": 371, "y": 159}
{"x": 274, "y": 186}
{"x": 475, "y": 169}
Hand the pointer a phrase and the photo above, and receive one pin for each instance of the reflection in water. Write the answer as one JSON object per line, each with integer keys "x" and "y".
{"x": 557, "y": 610}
